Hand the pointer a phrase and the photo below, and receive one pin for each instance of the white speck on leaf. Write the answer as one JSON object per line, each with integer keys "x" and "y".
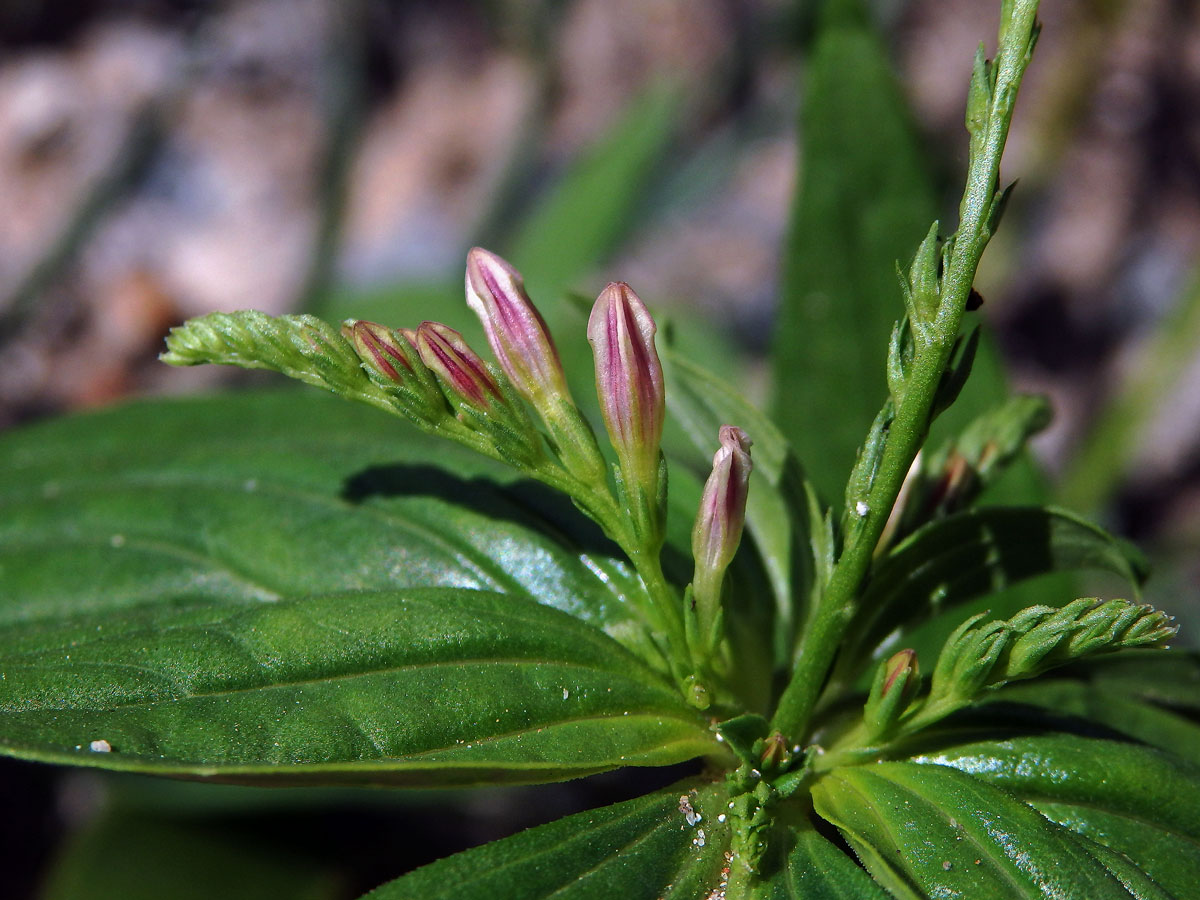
{"x": 689, "y": 813}
{"x": 699, "y": 840}
{"x": 861, "y": 508}
{"x": 566, "y": 693}
{"x": 100, "y": 746}
{"x": 117, "y": 540}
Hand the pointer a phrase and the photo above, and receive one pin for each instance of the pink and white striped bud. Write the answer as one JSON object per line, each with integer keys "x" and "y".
{"x": 461, "y": 372}
{"x": 382, "y": 349}
{"x": 629, "y": 382}
{"x": 515, "y": 329}
{"x": 720, "y": 520}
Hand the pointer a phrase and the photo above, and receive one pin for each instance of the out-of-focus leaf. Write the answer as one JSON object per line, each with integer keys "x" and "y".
{"x": 583, "y": 216}
{"x": 152, "y": 858}
{"x": 432, "y": 686}
{"x": 931, "y": 830}
{"x": 864, "y": 201}
{"x": 668, "y": 844}
{"x": 973, "y": 553}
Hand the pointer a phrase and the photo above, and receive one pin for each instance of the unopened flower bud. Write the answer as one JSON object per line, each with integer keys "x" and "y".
{"x": 464, "y": 374}
{"x": 515, "y": 330}
{"x": 719, "y": 522}
{"x": 629, "y": 382}
{"x": 896, "y": 683}
{"x": 384, "y": 352}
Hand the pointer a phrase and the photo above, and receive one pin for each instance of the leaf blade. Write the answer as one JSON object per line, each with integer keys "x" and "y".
{"x": 426, "y": 686}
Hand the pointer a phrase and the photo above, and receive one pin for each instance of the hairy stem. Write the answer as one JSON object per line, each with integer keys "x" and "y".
{"x": 933, "y": 345}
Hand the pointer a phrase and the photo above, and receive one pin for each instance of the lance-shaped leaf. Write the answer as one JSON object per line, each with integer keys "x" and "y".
{"x": 629, "y": 384}
{"x": 1135, "y": 800}
{"x": 933, "y": 831}
{"x": 671, "y": 843}
{"x": 523, "y": 347}
{"x": 417, "y": 687}
{"x": 251, "y": 497}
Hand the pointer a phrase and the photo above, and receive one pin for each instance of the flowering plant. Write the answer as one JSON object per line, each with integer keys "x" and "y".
{"x": 400, "y": 629}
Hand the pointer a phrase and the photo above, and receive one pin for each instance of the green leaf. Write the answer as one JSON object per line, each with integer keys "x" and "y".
{"x": 153, "y": 857}
{"x": 864, "y": 201}
{"x": 667, "y": 845}
{"x": 1150, "y": 697}
{"x": 977, "y": 552}
{"x": 930, "y": 830}
{"x": 813, "y": 869}
{"x": 1137, "y": 801}
{"x": 438, "y": 685}
{"x": 1130, "y": 780}
{"x": 245, "y": 498}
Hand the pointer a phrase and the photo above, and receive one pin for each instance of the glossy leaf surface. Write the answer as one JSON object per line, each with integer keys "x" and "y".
{"x": 643, "y": 849}
{"x": 231, "y": 589}
{"x": 414, "y": 687}
{"x": 240, "y": 499}
{"x": 935, "y": 831}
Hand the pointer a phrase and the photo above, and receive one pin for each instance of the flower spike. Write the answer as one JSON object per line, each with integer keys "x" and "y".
{"x": 629, "y": 382}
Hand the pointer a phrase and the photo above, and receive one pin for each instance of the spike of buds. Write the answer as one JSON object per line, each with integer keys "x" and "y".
{"x": 523, "y": 347}
{"x": 466, "y": 376}
{"x": 719, "y": 522}
{"x": 629, "y": 382}
{"x": 515, "y": 329}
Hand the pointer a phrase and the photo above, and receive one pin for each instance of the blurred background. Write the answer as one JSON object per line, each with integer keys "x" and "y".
{"x": 160, "y": 160}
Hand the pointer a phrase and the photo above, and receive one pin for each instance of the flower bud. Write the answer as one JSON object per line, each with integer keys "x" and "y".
{"x": 464, "y": 374}
{"x": 515, "y": 330}
{"x": 896, "y": 683}
{"x": 629, "y": 382}
{"x": 719, "y": 522}
{"x": 383, "y": 351}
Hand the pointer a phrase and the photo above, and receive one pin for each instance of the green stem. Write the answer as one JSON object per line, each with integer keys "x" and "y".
{"x": 934, "y": 342}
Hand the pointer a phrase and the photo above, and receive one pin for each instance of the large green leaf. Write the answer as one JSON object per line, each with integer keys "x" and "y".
{"x": 931, "y": 830}
{"x": 239, "y": 585}
{"x": 864, "y": 200}
{"x": 439, "y": 685}
{"x": 245, "y": 498}
{"x": 668, "y": 845}
{"x": 974, "y": 553}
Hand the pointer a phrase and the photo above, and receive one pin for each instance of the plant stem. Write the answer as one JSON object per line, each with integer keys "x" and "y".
{"x": 933, "y": 344}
